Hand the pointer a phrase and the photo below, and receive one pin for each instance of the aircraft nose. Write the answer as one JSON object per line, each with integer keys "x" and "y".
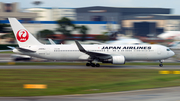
{"x": 172, "y": 53}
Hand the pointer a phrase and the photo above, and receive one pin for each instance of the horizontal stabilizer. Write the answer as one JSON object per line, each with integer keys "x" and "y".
{"x": 11, "y": 47}
{"x": 25, "y": 50}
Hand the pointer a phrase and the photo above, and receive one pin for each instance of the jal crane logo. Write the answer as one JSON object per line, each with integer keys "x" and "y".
{"x": 22, "y": 35}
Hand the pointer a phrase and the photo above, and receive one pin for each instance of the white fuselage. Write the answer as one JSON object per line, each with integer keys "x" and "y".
{"x": 72, "y": 53}
{"x": 115, "y": 54}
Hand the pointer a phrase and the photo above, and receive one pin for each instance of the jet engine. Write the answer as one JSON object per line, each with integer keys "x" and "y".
{"x": 119, "y": 59}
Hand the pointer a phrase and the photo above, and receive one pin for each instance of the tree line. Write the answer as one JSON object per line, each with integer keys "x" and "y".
{"x": 65, "y": 27}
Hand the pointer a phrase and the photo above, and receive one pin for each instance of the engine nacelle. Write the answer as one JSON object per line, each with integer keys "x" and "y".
{"x": 118, "y": 59}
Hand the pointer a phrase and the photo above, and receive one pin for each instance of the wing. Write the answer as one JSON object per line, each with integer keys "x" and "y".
{"x": 97, "y": 55}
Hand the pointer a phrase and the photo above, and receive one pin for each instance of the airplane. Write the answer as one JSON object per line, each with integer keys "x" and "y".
{"x": 174, "y": 45}
{"x": 175, "y": 35}
{"x": 115, "y": 54}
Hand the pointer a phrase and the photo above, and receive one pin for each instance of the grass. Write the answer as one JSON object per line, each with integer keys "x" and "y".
{"x": 7, "y": 52}
{"x": 81, "y": 81}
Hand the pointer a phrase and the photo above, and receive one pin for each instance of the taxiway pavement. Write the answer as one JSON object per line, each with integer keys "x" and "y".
{"x": 160, "y": 94}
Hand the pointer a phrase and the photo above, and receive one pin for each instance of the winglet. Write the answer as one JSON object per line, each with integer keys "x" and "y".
{"x": 80, "y": 47}
{"x": 51, "y": 41}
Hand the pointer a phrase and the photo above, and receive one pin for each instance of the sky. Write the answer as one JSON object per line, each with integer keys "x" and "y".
{"x": 173, "y": 4}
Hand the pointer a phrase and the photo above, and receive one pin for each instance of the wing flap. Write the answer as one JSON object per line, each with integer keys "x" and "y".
{"x": 99, "y": 55}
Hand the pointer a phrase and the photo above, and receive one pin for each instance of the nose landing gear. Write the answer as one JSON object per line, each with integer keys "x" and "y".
{"x": 161, "y": 65}
{"x": 161, "y": 61}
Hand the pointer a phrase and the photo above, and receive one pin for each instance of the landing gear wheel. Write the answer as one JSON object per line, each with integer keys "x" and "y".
{"x": 93, "y": 65}
{"x": 161, "y": 61}
{"x": 88, "y": 64}
{"x": 97, "y": 65}
{"x": 160, "y": 65}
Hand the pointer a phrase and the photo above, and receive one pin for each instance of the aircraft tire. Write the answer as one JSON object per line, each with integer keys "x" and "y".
{"x": 97, "y": 65}
{"x": 160, "y": 65}
{"x": 88, "y": 64}
{"x": 93, "y": 65}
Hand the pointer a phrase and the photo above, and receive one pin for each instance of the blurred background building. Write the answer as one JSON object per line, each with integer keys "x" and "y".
{"x": 13, "y": 10}
{"x": 144, "y": 22}
{"x": 133, "y": 21}
{"x": 52, "y": 14}
{"x": 150, "y": 24}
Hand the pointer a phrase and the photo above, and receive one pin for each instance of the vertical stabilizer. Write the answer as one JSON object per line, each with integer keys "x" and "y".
{"x": 23, "y": 36}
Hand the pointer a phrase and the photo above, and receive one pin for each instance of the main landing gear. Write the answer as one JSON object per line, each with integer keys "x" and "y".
{"x": 93, "y": 64}
{"x": 161, "y": 61}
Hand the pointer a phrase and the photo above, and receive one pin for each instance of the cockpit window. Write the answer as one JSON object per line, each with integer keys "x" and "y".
{"x": 168, "y": 50}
